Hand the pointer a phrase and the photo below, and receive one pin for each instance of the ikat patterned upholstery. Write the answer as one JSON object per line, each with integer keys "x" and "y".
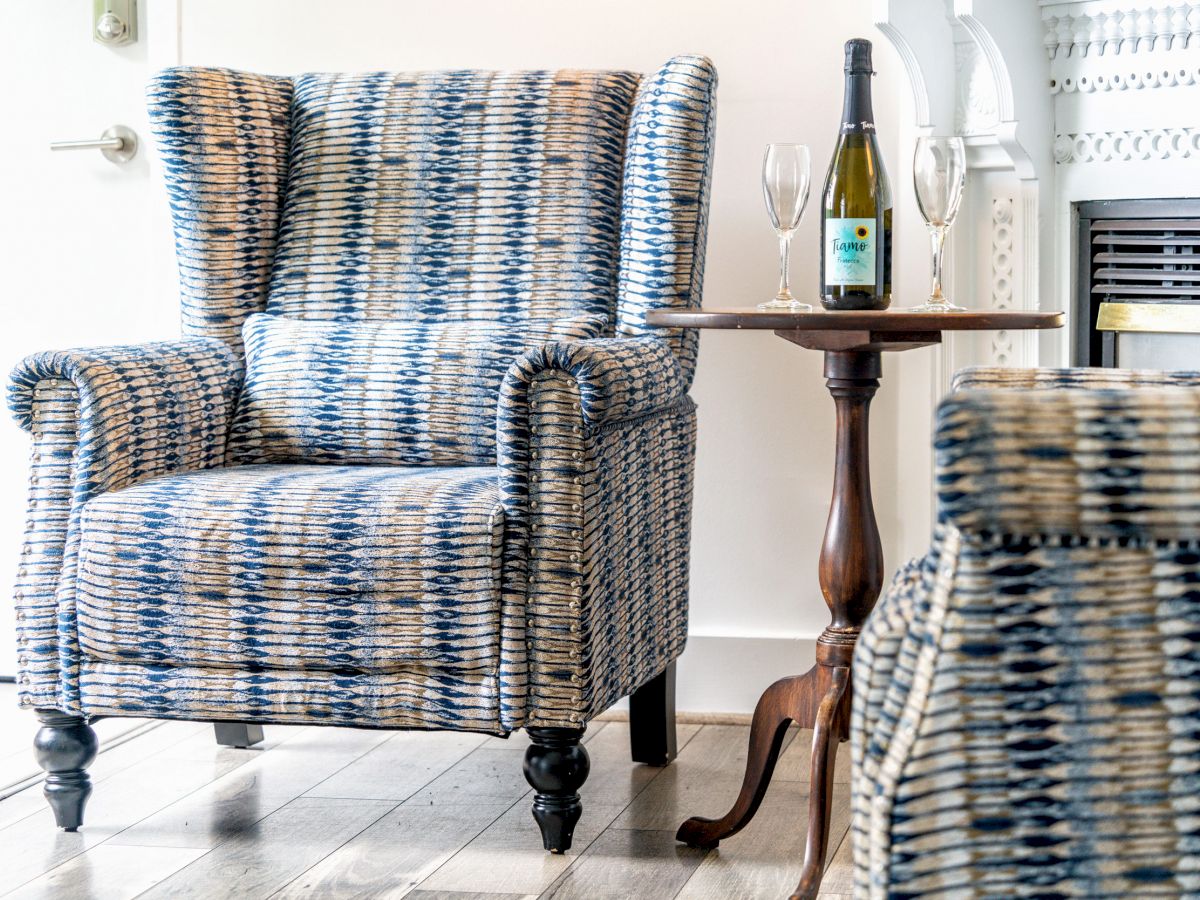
{"x": 227, "y": 561}
{"x": 174, "y": 567}
{"x": 479, "y": 195}
{"x": 381, "y": 391}
{"x": 482, "y": 195}
{"x": 1027, "y": 695}
{"x": 102, "y": 420}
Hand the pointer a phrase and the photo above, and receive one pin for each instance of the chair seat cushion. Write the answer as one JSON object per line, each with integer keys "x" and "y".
{"x": 337, "y": 568}
{"x": 404, "y": 393}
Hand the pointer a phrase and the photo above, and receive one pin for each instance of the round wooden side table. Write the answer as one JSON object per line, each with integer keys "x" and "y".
{"x": 851, "y": 562}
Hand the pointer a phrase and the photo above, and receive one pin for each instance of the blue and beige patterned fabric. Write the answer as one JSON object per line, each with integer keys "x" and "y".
{"x": 410, "y": 569}
{"x": 395, "y": 392}
{"x": 664, "y": 216}
{"x": 223, "y": 138}
{"x": 101, "y": 420}
{"x": 456, "y": 489}
{"x": 1027, "y": 716}
{"x": 597, "y": 444}
{"x": 380, "y": 572}
{"x": 478, "y": 195}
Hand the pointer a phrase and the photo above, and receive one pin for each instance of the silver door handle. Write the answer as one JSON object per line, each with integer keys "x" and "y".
{"x": 118, "y": 144}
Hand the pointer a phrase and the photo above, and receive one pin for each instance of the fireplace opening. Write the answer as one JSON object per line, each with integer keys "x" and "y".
{"x": 1137, "y": 305}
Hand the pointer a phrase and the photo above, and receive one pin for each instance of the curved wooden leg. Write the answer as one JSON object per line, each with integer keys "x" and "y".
{"x": 826, "y": 737}
{"x": 777, "y": 708}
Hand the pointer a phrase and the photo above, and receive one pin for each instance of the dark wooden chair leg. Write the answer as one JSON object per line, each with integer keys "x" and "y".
{"x": 65, "y": 746}
{"x": 652, "y": 720}
{"x": 238, "y": 734}
{"x": 556, "y": 766}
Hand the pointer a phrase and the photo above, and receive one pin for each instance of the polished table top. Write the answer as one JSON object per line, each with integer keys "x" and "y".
{"x": 887, "y": 320}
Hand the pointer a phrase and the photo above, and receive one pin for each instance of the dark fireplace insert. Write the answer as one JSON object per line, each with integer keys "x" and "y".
{"x": 1138, "y": 300}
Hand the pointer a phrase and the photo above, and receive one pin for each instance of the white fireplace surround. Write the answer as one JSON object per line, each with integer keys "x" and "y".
{"x": 1059, "y": 103}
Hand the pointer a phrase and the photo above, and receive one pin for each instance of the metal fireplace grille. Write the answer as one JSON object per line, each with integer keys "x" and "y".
{"x": 1139, "y": 274}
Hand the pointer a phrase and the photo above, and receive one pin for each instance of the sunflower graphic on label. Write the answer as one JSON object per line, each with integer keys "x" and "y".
{"x": 850, "y": 252}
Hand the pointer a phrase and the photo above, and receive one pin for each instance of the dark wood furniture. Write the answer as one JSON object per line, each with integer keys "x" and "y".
{"x": 851, "y": 563}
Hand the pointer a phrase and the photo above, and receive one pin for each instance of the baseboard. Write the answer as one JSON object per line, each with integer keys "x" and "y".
{"x": 721, "y": 677}
{"x": 617, "y": 714}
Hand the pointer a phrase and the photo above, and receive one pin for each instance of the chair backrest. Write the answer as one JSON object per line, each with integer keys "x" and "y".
{"x": 444, "y": 196}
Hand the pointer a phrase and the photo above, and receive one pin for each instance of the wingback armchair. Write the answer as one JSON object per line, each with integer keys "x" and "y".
{"x": 1027, "y": 715}
{"x": 417, "y": 460}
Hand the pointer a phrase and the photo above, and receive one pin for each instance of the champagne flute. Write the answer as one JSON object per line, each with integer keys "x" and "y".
{"x": 785, "y": 180}
{"x": 939, "y": 175}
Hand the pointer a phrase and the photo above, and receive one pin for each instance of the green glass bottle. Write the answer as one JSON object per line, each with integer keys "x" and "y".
{"x": 856, "y": 213}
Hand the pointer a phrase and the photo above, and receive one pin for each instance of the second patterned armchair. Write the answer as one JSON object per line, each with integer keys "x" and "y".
{"x": 1027, "y": 709}
{"x": 417, "y": 461}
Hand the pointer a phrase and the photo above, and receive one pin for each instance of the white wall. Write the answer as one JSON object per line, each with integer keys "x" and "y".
{"x": 766, "y": 423}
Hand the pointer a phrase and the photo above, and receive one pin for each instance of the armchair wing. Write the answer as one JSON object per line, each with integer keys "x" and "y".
{"x": 1049, "y": 635}
{"x": 596, "y": 446}
{"x": 103, "y": 419}
{"x": 223, "y": 137}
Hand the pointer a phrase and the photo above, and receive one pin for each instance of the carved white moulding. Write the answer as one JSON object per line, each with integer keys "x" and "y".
{"x": 1070, "y": 32}
{"x": 1128, "y": 78}
{"x": 976, "y": 108}
{"x": 1136, "y": 145}
{"x": 1002, "y": 273}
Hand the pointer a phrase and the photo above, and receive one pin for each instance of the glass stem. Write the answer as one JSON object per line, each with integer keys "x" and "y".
{"x": 937, "y": 235}
{"x": 785, "y": 292}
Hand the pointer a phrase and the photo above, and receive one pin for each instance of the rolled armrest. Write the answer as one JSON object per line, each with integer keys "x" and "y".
{"x": 618, "y": 378}
{"x": 989, "y": 378}
{"x": 596, "y": 441}
{"x": 141, "y": 410}
{"x": 1121, "y": 464}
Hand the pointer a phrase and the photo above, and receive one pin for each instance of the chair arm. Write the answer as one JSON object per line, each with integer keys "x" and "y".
{"x": 103, "y": 419}
{"x": 618, "y": 378}
{"x": 988, "y": 377}
{"x": 1121, "y": 464}
{"x": 596, "y": 443}
{"x": 138, "y": 411}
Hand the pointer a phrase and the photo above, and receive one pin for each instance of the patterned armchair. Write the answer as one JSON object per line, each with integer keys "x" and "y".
{"x": 417, "y": 461}
{"x": 1027, "y": 718}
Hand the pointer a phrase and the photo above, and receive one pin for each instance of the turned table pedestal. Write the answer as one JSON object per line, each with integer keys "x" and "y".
{"x": 851, "y": 562}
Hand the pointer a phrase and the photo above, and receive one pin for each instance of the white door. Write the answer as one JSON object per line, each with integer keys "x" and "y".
{"x": 84, "y": 243}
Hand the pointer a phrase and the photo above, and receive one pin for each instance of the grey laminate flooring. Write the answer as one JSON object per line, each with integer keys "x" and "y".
{"x": 331, "y": 812}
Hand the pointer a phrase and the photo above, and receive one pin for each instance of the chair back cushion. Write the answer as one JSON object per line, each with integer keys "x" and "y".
{"x": 381, "y": 392}
{"x": 440, "y": 196}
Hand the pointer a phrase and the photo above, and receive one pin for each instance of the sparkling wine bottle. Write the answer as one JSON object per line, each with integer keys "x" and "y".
{"x": 856, "y": 220}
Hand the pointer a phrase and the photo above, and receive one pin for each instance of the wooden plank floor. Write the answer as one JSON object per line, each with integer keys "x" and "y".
{"x": 331, "y": 812}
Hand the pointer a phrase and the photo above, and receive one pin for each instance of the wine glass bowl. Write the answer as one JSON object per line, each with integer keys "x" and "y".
{"x": 786, "y": 178}
{"x": 939, "y": 176}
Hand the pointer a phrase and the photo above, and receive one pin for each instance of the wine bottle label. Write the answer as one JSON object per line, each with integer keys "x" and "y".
{"x": 850, "y": 252}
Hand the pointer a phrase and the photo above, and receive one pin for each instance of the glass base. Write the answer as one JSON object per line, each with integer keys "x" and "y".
{"x": 935, "y": 306}
{"x": 786, "y": 304}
